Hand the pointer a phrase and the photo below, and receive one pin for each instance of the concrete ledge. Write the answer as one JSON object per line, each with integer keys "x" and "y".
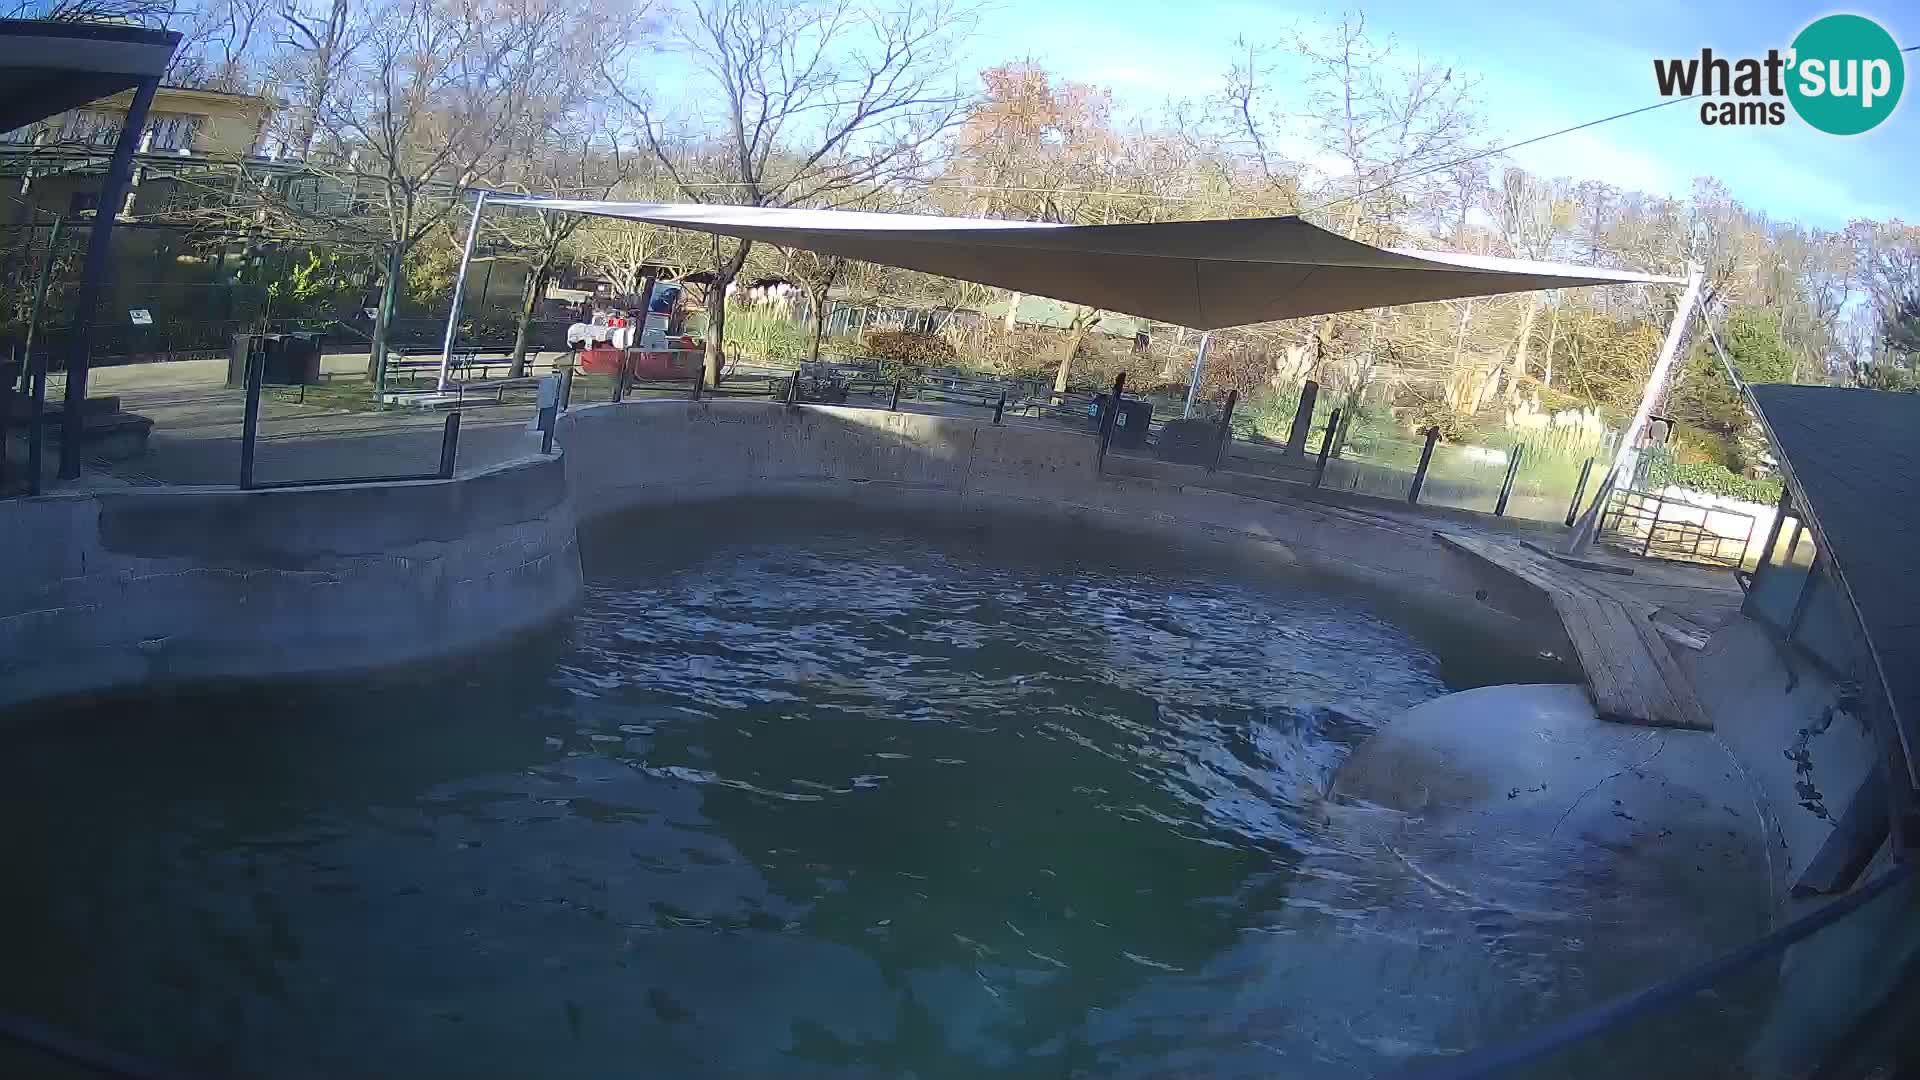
{"x": 125, "y": 588}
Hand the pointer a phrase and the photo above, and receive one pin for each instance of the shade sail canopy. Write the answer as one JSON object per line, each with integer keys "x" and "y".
{"x": 1201, "y": 274}
{"x": 48, "y": 67}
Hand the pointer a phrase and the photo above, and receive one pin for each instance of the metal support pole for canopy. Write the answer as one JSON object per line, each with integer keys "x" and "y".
{"x": 1625, "y": 453}
{"x": 93, "y": 276}
{"x": 1199, "y": 366}
{"x": 459, "y": 290}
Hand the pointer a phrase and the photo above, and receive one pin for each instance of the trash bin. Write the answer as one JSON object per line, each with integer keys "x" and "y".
{"x": 1130, "y": 426}
{"x": 291, "y": 359}
{"x": 295, "y": 360}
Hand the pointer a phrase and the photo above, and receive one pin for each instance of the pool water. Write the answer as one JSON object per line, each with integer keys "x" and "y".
{"x": 802, "y": 797}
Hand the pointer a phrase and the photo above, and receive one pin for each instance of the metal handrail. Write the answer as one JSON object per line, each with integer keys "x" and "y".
{"x": 250, "y": 436}
{"x": 1611, "y": 1015}
{"x": 1630, "y": 505}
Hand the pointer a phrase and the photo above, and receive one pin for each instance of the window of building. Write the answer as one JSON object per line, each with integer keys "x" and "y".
{"x": 90, "y": 127}
{"x": 172, "y": 131}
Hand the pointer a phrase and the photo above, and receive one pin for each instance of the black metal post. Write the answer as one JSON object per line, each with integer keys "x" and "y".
{"x": 1773, "y": 534}
{"x": 1815, "y": 569}
{"x": 1326, "y": 448}
{"x": 1793, "y": 540}
{"x": 899, "y": 382}
{"x": 449, "y": 444}
{"x": 36, "y": 423}
{"x": 1659, "y": 505}
{"x": 1107, "y": 422}
{"x": 620, "y": 381}
{"x": 1579, "y": 489}
{"x": 1420, "y": 473}
{"x": 39, "y": 301}
{"x": 250, "y": 421}
{"x": 700, "y": 382}
{"x": 646, "y": 303}
{"x": 793, "y": 390}
{"x": 566, "y": 389}
{"x": 1746, "y": 543}
{"x": 1000, "y": 407}
{"x": 7, "y": 385}
{"x": 547, "y": 418}
{"x": 1346, "y": 426}
{"x": 1303, "y": 418}
{"x": 1225, "y": 437}
{"x": 113, "y": 192}
{"x": 1506, "y": 487}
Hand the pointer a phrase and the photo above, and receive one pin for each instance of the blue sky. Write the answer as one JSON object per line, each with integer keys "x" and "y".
{"x": 1543, "y": 66}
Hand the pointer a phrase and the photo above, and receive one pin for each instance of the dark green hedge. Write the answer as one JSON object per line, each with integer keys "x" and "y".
{"x": 1712, "y": 478}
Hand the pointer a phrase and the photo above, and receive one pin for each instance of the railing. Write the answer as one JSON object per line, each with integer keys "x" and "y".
{"x": 1657, "y": 527}
{"x": 256, "y": 369}
{"x": 1664, "y": 1029}
{"x": 855, "y": 385}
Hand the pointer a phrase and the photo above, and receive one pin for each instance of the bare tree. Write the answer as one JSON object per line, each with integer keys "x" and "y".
{"x": 152, "y": 13}
{"x": 564, "y": 148}
{"x": 573, "y": 170}
{"x": 1036, "y": 148}
{"x": 1531, "y": 215}
{"x": 802, "y": 102}
{"x": 625, "y": 252}
{"x": 220, "y": 45}
{"x": 438, "y": 88}
{"x": 817, "y": 274}
{"x": 319, "y": 42}
{"x": 1395, "y": 125}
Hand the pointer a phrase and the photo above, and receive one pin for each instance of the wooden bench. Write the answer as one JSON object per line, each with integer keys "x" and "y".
{"x": 464, "y": 362}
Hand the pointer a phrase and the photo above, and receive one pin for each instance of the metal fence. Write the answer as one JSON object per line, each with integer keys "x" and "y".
{"x": 1653, "y": 526}
{"x": 1140, "y": 427}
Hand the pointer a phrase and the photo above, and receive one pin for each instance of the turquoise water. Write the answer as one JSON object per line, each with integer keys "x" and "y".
{"x": 809, "y": 799}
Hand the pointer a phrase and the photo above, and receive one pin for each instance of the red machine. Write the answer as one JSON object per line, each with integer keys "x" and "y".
{"x": 598, "y": 343}
{"x": 680, "y": 360}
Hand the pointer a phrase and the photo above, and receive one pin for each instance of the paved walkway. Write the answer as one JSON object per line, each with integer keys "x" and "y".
{"x": 197, "y": 426}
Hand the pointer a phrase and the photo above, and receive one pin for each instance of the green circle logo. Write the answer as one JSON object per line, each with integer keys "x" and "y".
{"x": 1847, "y": 74}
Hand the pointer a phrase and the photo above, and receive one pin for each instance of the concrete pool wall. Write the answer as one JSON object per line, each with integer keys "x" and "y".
{"x": 158, "y": 585}
{"x": 627, "y": 456}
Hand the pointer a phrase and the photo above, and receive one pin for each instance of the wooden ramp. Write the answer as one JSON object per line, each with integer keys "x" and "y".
{"x": 1630, "y": 672}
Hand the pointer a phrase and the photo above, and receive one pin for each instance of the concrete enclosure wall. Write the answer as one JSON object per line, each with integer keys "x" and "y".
{"x": 121, "y": 589}
{"x": 162, "y": 585}
{"x": 655, "y": 453}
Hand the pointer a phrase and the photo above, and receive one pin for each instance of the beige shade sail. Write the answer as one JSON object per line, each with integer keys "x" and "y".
{"x": 1201, "y": 274}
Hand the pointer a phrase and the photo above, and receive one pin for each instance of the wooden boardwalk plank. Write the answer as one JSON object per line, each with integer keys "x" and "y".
{"x": 1631, "y": 675}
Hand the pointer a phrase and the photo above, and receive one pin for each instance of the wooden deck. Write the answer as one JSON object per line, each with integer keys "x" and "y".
{"x": 1630, "y": 672}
